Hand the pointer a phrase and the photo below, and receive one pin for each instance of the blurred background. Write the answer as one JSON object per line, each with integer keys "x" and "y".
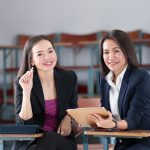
{"x": 75, "y": 26}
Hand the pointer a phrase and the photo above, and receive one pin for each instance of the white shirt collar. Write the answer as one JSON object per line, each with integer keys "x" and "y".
{"x": 109, "y": 77}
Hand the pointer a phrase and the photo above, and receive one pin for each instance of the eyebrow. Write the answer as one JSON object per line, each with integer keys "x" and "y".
{"x": 116, "y": 47}
{"x": 113, "y": 48}
{"x": 40, "y": 51}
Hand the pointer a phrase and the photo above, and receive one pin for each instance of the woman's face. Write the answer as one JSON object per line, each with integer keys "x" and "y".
{"x": 44, "y": 56}
{"x": 113, "y": 57}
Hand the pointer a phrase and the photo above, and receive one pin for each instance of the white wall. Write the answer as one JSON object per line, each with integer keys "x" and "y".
{"x": 71, "y": 16}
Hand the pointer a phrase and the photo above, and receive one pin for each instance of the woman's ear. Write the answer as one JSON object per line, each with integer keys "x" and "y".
{"x": 32, "y": 63}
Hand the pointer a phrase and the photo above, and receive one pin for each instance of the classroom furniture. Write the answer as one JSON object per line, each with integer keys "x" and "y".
{"x": 22, "y": 38}
{"x": 20, "y": 137}
{"x": 105, "y": 134}
{"x": 88, "y": 102}
{"x": 75, "y": 43}
{"x": 19, "y": 132}
{"x": 79, "y": 46}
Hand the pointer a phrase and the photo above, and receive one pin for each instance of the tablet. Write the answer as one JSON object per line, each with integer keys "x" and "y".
{"x": 81, "y": 115}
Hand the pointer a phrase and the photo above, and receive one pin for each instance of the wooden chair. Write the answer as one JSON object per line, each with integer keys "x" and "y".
{"x": 76, "y": 39}
{"x": 136, "y": 34}
{"x": 146, "y": 36}
{"x": 80, "y": 44}
{"x": 89, "y": 102}
{"x": 22, "y": 38}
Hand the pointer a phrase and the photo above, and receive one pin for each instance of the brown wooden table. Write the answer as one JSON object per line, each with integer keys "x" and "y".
{"x": 105, "y": 134}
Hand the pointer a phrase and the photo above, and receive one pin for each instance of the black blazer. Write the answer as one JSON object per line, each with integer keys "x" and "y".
{"x": 134, "y": 98}
{"x": 66, "y": 90}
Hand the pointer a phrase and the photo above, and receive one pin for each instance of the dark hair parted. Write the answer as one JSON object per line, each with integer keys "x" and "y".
{"x": 27, "y": 53}
{"x": 125, "y": 43}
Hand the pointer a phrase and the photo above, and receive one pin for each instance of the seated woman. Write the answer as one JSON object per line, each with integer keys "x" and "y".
{"x": 43, "y": 93}
{"x": 124, "y": 90}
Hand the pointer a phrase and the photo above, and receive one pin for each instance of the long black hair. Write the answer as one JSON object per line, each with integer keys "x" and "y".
{"x": 125, "y": 43}
{"x": 27, "y": 53}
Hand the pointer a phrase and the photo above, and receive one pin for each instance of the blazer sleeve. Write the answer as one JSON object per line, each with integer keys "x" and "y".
{"x": 138, "y": 114}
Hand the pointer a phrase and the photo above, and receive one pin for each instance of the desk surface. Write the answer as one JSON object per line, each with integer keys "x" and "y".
{"x": 20, "y": 136}
{"x": 131, "y": 133}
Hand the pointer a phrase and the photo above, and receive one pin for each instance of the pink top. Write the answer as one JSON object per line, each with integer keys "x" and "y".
{"x": 50, "y": 115}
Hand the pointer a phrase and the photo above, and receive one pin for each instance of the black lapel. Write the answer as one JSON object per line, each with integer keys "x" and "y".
{"x": 123, "y": 88}
{"x": 60, "y": 89}
{"x": 106, "y": 98}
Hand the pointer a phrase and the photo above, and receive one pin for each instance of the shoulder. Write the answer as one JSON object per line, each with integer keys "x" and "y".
{"x": 137, "y": 77}
{"x": 139, "y": 74}
{"x": 69, "y": 74}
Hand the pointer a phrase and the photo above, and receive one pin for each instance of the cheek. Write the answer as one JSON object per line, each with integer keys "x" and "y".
{"x": 56, "y": 57}
{"x": 36, "y": 61}
{"x": 105, "y": 58}
{"x": 122, "y": 58}
{"x": 124, "y": 61}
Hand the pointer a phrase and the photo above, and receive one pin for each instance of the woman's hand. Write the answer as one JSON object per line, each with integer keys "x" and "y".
{"x": 103, "y": 122}
{"x": 65, "y": 126}
{"x": 26, "y": 80}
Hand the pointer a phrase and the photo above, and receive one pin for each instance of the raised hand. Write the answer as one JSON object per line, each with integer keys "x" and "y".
{"x": 26, "y": 81}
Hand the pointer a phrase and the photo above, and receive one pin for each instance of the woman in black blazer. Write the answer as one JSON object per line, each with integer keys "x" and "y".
{"x": 124, "y": 90}
{"x": 43, "y": 93}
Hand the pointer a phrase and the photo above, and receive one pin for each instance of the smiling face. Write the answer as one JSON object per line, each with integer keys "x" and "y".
{"x": 113, "y": 57}
{"x": 44, "y": 56}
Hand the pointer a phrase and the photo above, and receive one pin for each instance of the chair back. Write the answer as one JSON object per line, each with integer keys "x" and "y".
{"x": 89, "y": 102}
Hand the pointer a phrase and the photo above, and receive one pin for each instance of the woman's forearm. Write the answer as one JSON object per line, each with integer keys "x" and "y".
{"x": 26, "y": 109}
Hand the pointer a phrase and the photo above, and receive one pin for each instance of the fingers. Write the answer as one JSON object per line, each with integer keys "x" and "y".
{"x": 27, "y": 76}
{"x": 31, "y": 70}
{"x": 58, "y": 130}
{"x": 96, "y": 118}
{"x": 63, "y": 132}
{"x": 110, "y": 115}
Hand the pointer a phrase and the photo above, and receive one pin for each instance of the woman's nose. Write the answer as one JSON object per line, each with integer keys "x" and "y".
{"x": 47, "y": 56}
{"x": 111, "y": 55}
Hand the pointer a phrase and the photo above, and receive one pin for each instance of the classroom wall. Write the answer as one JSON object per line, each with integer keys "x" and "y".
{"x": 70, "y": 16}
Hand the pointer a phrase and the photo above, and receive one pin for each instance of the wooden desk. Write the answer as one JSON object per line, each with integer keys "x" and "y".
{"x": 121, "y": 134}
{"x": 20, "y": 137}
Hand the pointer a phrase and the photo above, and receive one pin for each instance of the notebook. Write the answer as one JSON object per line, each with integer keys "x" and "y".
{"x": 81, "y": 115}
{"x": 20, "y": 129}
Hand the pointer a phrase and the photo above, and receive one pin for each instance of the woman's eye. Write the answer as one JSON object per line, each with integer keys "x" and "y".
{"x": 39, "y": 54}
{"x": 50, "y": 51}
{"x": 105, "y": 52}
{"x": 117, "y": 50}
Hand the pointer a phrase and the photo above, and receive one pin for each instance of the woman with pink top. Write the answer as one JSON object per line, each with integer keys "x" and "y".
{"x": 43, "y": 93}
